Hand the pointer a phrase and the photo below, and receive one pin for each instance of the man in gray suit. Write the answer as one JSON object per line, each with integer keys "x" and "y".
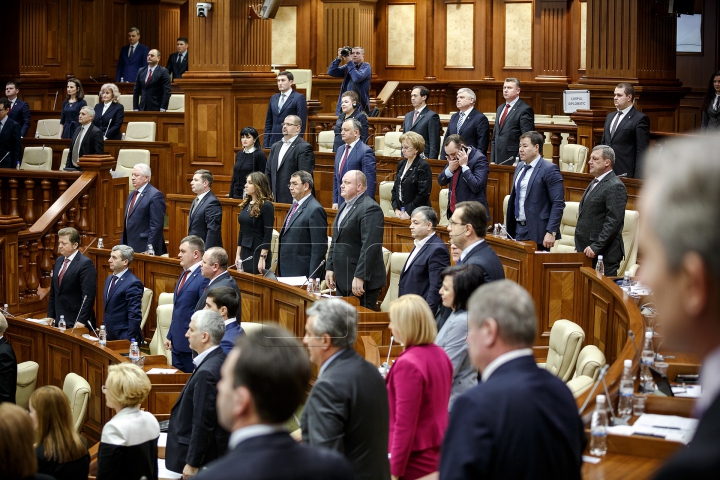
{"x": 601, "y": 215}
{"x": 355, "y": 263}
{"x": 347, "y": 409}
{"x": 423, "y": 121}
{"x": 514, "y": 117}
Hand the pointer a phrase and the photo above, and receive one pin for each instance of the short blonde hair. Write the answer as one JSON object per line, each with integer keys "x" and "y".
{"x": 127, "y": 384}
{"x": 411, "y": 315}
{"x": 113, "y": 89}
{"x": 417, "y": 141}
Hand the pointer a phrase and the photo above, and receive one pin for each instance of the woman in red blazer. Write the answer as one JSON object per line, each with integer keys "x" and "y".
{"x": 419, "y": 385}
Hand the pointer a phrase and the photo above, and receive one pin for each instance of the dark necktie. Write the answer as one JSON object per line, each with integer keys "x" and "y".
{"x": 614, "y": 125}
{"x": 453, "y": 190}
{"x": 132, "y": 203}
{"x": 517, "y": 190}
{"x": 342, "y": 163}
{"x": 415, "y": 117}
{"x": 587, "y": 192}
{"x": 504, "y": 115}
{"x": 193, "y": 206}
{"x": 112, "y": 285}
{"x": 62, "y": 271}
{"x": 132, "y": 49}
{"x": 149, "y": 76}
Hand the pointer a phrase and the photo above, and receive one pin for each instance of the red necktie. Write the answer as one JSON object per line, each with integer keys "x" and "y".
{"x": 182, "y": 280}
{"x": 342, "y": 163}
{"x": 62, "y": 271}
{"x": 132, "y": 203}
{"x": 149, "y": 76}
{"x": 504, "y": 115}
{"x": 453, "y": 196}
{"x": 415, "y": 117}
{"x": 292, "y": 211}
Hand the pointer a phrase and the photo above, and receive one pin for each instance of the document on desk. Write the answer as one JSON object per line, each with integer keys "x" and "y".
{"x": 292, "y": 281}
{"x": 670, "y": 427}
{"x": 164, "y": 473}
{"x": 162, "y": 370}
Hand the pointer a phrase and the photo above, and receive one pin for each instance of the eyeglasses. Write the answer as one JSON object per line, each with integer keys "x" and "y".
{"x": 456, "y": 223}
{"x": 290, "y": 125}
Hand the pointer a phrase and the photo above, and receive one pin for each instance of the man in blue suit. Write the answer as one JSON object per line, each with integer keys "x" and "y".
{"x": 214, "y": 267}
{"x": 287, "y": 102}
{"x": 423, "y": 121}
{"x": 188, "y": 290}
{"x": 520, "y": 421}
{"x": 466, "y": 174}
{"x": 10, "y": 141}
{"x": 356, "y": 74}
{"x": 19, "y": 110}
{"x": 144, "y": 214}
{"x": 132, "y": 58}
{"x": 537, "y": 198}
{"x": 471, "y": 125}
{"x": 226, "y": 302}
{"x": 123, "y": 297}
{"x": 421, "y": 272}
{"x": 354, "y": 155}
{"x": 205, "y": 218}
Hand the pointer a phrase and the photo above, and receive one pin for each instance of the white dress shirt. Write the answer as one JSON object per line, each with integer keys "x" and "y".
{"x": 418, "y": 245}
{"x": 503, "y": 359}
{"x": 521, "y": 189}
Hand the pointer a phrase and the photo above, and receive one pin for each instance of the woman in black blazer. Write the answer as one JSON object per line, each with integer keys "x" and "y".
{"x": 109, "y": 114}
{"x": 711, "y": 106}
{"x": 349, "y": 106}
{"x": 71, "y": 108}
{"x": 250, "y": 159}
{"x": 413, "y": 180}
{"x": 256, "y": 219}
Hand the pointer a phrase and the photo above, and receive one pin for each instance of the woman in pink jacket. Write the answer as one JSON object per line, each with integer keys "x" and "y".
{"x": 419, "y": 385}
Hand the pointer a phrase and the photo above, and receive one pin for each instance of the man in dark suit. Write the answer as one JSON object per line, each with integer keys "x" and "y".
{"x": 123, "y": 294}
{"x": 627, "y": 131}
{"x": 302, "y": 244}
{"x": 537, "y": 198}
{"x": 10, "y": 146}
{"x": 513, "y": 118}
{"x": 601, "y": 214}
{"x": 205, "y": 219}
{"x": 74, "y": 282}
{"x": 679, "y": 205}
{"x": 188, "y": 290}
{"x": 87, "y": 139}
{"x": 287, "y": 156}
{"x": 287, "y": 102}
{"x": 214, "y": 267}
{"x": 421, "y": 272}
{"x": 520, "y": 421}
{"x": 152, "y": 86}
{"x": 356, "y": 74}
{"x": 144, "y": 214}
{"x": 423, "y": 121}
{"x": 253, "y": 400}
{"x": 470, "y": 124}
{"x": 226, "y": 301}
{"x": 132, "y": 57}
{"x": 353, "y": 155}
{"x": 355, "y": 262}
{"x": 178, "y": 62}
{"x": 467, "y": 229}
{"x": 8, "y": 366}
{"x": 19, "y": 110}
{"x": 466, "y": 174}
{"x": 194, "y": 436}
{"x": 347, "y": 409}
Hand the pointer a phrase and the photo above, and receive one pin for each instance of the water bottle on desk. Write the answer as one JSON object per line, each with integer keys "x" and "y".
{"x": 402, "y": 212}
{"x": 626, "y": 284}
{"x": 61, "y": 324}
{"x": 317, "y": 287}
{"x": 102, "y": 335}
{"x": 600, "y": 267}
{"x": 311, "y": 286}
{"x": 101, "y": 244}
{"x": 598, "y": 428}
{"x": 627, "y": 389}
{"x": 151, "y": 250}
{"x": 647, "y": 358}
{"x": 134, "y": 351}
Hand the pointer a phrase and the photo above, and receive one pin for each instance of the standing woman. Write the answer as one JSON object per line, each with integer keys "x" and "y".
{"x": 349, "y": 107}
{"x": 250, "y": 159}
{"x": 256, "y": 219}
{"x": 71, "y": 108}
{"x": 413, "y": 180}
{"x": 109, "y": 114}
{"x": 61, "y": 452}
{"x": 419, "y": 384}
{"x": 711, "y": 105}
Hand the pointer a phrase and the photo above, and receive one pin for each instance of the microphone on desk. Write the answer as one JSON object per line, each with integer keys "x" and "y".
{"x": 91, "y": 78}
{"x": 79, "y": 312}
{"x": 243, "y": 261}
{"x": 269, "y": 270}
{"x": 312, "y": 275}
{"x": 108, "y": 128}
{"x": 45, "y": 125}
{"x": 601, "y": 375}
{"x": 1, "y": 159}
{"x": 631, "y": 334}
{"x": 55, "y": 102}
{"x": 505, "y": 162}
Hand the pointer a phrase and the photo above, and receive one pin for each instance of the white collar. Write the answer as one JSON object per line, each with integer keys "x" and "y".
{"x": 72, "y": 257}
{"x": 302, "y": 200}
{"x": 252, "y": 431}
{"x": 625, "y": 110}
{"x": 201, "y": 356}
{"x": 229, "y": 321}
{"x": 512, "y": 104}
{"x": 503, "y": 359}
{"x": 252, "y": 149}
{"x": 421, "y": 243}
{"x": 215, "y": 278}
{"x": 466, "y": 251}
{"x": 195, "y": 266}
{"x": 599, "y": 179}
{"x": 287, "y": 94}
{"x": 352, "y": 145}
{"x": 119, "y": 275}
{"x": 288, "y": 142}
{"x": 202, "y": 195}
{"x": 420, "y": 110}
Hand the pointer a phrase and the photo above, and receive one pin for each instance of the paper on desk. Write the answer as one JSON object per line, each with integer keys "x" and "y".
{"x": 116, "y": 174}
{"x": 162, "y": 439}
{"x": 670, "y": 427}
{"x": 589, "y": 459}
{"x": 292, "y": 281}
{"x": 163, "y": 472}
{"x": 39, "y": 321}
{"x": 688, "y": 391}
{"x": 161, "y": 370}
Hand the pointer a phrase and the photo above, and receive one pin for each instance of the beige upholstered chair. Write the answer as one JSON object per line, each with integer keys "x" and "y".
{"x": 490, "y": 116}
{"x": 562, "y": 119}
{"x": 325, "y": 140}
{"x": 397, "y": 261}
{"x": 392, "y": 148}
{"x": 303, "y": 79}
{"x": 36, "y": 158}
{"x": 566, "y": 338}
{"x": 274, "y": 249}
{"x": 126, "y": 101}
{"x": 92, "y": 100}
{"x": 379, "y": 144}
{"x": 573, "y": 158}
{"x": 567, "y": 229}
{"x": 77, "y": 391}
{"x": 145, "y": 308}
{"x": 48, "y": 128}
{"x": 166, "y": 298}
{"x": 250, "y": 327}
{"x": 386, "y": 198}
{"x": 443, "y": 201}
{"x": 176, "y": 103}
{"x": 630, "y": 239}
{"x": 589, "y": 363}
{"x": 63, "y": 158}
{"x": 26, "y": 380}
{"x": 386, "y": 259}
{"x": 140, "y": 132}
{"x": 157, "y": 344}
{"x": 128, "y": 158}
{"x": 448, "y": 116}
{"x": 542, "y": 119}
{"x": 505, "y": 208}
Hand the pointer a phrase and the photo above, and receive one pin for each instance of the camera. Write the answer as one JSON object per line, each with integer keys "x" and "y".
{"x": 202, "y": 9}
{"x": 346, "y": 51}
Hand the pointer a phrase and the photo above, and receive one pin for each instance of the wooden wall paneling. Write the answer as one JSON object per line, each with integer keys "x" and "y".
{"x": 168, "y": 31}
{"x": 694, "y": 70}
{"x": 86, "y": 50}
{"x": 500, "y": 70}
{"x": 147, "y": 19}
{"x": 551, "y": 34}
{"x": 33, "y": 52}
{"x": 656, "y": 41}
{"x": 119, "y": 15}
{"x": 58, "y": 360}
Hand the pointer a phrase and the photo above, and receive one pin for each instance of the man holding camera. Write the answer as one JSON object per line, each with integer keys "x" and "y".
{"x": 355, "y": 73}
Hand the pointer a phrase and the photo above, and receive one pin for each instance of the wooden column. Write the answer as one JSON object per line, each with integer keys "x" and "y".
{"x": 106, "y": 203}
{"x": 551, "y": 35}
{"x": 347, "y": 23}
{"x": 9, "y": 259}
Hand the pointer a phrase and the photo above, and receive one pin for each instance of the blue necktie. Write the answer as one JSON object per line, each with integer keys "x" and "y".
{"x": 517, "y": 190}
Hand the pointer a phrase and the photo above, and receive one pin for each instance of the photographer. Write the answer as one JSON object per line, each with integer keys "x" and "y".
{"x": 355, "y": 73}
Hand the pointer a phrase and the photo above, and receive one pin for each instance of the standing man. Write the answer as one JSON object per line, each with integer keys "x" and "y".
{"x": 302, "y": 245}
{"x": 194, "y": 437}
{"x": 537, "y": 198}
{"x": 178, "y": 62}
{"x": 214, "y": 267}
{"x": 421, "y": 272}
{"x": 354, "y": 262}
{"x": 519, "y": 422}
{"x": 8, "y": 366}
{"x": 74, "y": 283}
{"x": 205, "y": 218}
{"x": 601, "y": 214}
{"x": 87, "y": 139}
{"x": 287, "y": 102}
{"x": 466, "y": 174}
{"x": 355, "y": 73}
{"x": 226, "y": 302}
{"x": 144, "y": 214}
{"x": 288, "y": 155}
{"x": 10, "y": 146}
{"x": 471, "y": 125}
{"x": 189, "y": 288}
{"x": 467, "y": 229}
{"x": 353, "y": 155}
{"x": 423, "y": 121}
{"x": 347, "y": 409}
{"x": 152, "y": 86}
{"x": 123, "y": 293}
{"x": 513, "y": 118}
{"x": 132, "y": 57}
{"x": 627, "y": 132}
{"x": 19, "y": 110}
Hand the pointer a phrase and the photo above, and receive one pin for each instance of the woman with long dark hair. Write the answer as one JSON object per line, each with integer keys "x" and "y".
{"x": 256, "y": 219}
{"x": 711, "y": 105}
{"x": 69, "y": 117}
{"x": 250, "y": 159}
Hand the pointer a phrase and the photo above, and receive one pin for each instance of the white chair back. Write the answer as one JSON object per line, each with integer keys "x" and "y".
{"x": 140, "y": 132}
{"x": 128, "y": 158}
{"x": 48, "y": 128}
{"x": 36, "y": 158}
{"x": 77, "y": 391}
{"x": 176, "y": 103}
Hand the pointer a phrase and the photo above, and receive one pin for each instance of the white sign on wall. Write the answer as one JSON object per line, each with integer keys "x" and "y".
{"x": 575, "y": 100}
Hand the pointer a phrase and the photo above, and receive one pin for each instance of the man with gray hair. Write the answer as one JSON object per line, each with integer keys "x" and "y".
{"x": 122, "y": 297}
{"x": 86, "y": 140}
{"x": 601, "y": 214}
{"x": 469, "y": 123}
{"x": 520, "y": 420}
{"x": 144, "y": 214}
{"x": 8, "y": 365}
{"x": 194, "y": 436}
{"x": 347, "y": 409}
